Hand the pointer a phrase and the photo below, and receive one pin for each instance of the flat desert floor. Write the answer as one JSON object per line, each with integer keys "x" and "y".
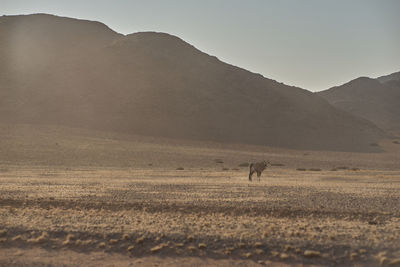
{"x": 70, "y": 197}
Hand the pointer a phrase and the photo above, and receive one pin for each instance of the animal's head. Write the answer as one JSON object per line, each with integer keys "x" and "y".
{"x": 266, "y": 163}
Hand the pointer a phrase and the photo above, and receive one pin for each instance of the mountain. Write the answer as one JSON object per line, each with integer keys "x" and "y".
{"x": 376, "y": 100}
{"x": 79, "y": 73}
{"x": 391, "y": 77}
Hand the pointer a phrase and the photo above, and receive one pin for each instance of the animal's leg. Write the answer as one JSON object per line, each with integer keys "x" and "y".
{"x": 250, "y": 175}
{"x": 258, "y": 175}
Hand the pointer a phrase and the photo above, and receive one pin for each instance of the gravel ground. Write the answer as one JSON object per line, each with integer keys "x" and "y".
{"x": 198, "y": 217}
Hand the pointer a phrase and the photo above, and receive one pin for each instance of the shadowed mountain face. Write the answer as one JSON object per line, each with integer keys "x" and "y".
{"x": 80, "y": 73}
{"x": 391, "y": 77}
{"x": 377, "y": 100}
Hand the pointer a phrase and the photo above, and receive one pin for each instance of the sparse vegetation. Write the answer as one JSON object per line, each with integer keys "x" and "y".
{"x": 140, "y": 240}
{"x": 244, "y": 164}
{"x": 277, "y": 164}
{"x": 69, "y": 239}
{"x": 113, "y": 241}
{"x": 202, "y": 246}
{"x": 342, "y": 168}
{"x": 219, "y": 161}
{"x": 284, "y": 256}
{"x": 3, "y": 232}
{"x": 157, "y": 248}
{"x": 40, "y": 239}
{"x": 205, "y": 212}
{"x": 312, "y": 253}
{"x": 301, "y": 169}
{"x": 17, "y": 238}
{"x": 180, "y": 169}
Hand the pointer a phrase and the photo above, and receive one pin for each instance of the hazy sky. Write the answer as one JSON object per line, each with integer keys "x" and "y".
{"x": 314, "y": 44}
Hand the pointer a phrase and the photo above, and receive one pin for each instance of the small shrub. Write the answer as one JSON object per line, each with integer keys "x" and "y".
{"x": 258, "y": 244}
{"x": 113, "y": 241}
{"x": 235, "y": 169}
{"x": 202, "y": 246}
{"x": 353, "y": 256}
{"x": 42, "y": 238}
{"x": 355, "y": 169}
{"x": 180, "y": 169}
{"x": 315, "y": 169}
{"x": 17, "y": 238}
{"x": 219, "y": 161}
{"x": 274, "y": 253}
{"x": 284, "y": 256}
{"x": 396, "y": 142}
{"x": 225, "y": 169}
{"x": 244, "y": 164}
{"x": 259, "y": 251}
{"x": 395, "y": 262}
{"x": 300, "y": 169}
{"x": 312, "y": 253}
{"x": 288, "y": 247}
{"x": 157, "y": 248}
{"x": 247, "y": 255}
{"x": 86, "y": 242}
{"x": 140, "y": 240}
{"x": 3, "y": 232}
{"x": 342, "y": 168}
{"x": 264, "y": 234}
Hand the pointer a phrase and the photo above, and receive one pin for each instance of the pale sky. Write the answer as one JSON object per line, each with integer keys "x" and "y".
{"x": 313, "y": 44}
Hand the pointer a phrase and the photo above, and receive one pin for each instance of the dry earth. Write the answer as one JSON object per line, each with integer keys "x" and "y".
{"x": 344, "y": 216}
{"x": 152, "y": 214}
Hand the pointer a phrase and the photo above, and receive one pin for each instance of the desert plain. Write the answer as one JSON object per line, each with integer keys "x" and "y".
{"x": 73, "y": 197}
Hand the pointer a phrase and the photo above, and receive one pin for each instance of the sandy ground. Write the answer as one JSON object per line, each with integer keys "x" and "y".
{"x": 341, "y": 217}
{"x": 70, "y": 197}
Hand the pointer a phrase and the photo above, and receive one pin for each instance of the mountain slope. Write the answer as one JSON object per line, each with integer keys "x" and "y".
{"x": 376, "y": 100}
{"x": 81, "y": 73}
{"x": 391, "y": 77}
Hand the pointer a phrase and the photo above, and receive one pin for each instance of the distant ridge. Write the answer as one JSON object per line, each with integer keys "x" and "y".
{"x": 377, "y": 100}
{"x": 391, "y": 77}
{"x": 56, "y": 70}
